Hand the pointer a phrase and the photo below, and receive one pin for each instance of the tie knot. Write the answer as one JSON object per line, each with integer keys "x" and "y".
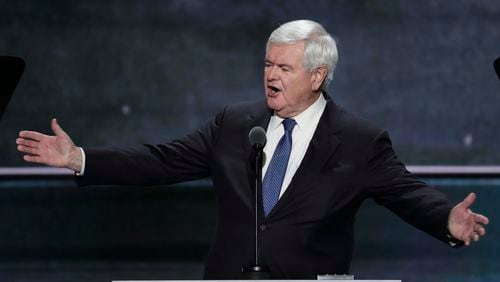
{"x": 288, "y": 124}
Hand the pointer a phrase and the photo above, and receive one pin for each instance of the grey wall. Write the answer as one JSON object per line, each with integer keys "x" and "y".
{"x": 127, "y": 72}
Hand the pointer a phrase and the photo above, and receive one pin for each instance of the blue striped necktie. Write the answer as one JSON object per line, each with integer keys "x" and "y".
{"x": 271, "y": 185}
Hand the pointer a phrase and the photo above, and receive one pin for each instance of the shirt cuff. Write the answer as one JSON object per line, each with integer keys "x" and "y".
{"x": 454, "y": 243}
{"x": 82, "y": 171}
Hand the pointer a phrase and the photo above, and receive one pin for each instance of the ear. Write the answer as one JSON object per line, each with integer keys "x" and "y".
{"x": 318, "y": 75}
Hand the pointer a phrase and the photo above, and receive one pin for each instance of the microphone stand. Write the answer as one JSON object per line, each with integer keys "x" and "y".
{"x": 256, "y": 271}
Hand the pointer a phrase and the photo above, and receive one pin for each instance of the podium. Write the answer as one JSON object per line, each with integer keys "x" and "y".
{"x": 330, "y": 280}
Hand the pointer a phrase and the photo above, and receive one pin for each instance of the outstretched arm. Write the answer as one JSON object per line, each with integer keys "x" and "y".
{"x": 54, "y": 150}
{"x": 464, "y": 224}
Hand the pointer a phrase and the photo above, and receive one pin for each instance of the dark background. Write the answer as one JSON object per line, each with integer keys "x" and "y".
{"x": 128, "y": 72}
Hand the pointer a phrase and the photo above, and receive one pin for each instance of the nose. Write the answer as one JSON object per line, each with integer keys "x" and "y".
{"x": 271, "y": 73}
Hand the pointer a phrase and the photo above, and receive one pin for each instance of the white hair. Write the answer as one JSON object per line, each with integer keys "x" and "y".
{"x": 319, "y": 47}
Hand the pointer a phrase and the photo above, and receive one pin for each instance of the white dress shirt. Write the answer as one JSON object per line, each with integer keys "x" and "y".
{"x": 82, "y": 171}
{"x": 307, "y": 121}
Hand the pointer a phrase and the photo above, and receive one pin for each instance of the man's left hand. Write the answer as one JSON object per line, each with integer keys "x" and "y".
{"x": 464, "y": 224}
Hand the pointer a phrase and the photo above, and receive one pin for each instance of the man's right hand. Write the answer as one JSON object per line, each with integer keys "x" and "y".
{"x": 57, "y": 151}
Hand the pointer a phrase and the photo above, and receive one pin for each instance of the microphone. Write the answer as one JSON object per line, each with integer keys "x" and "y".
{"x": 257, "y": 138}
{"x": 496, "y": 64}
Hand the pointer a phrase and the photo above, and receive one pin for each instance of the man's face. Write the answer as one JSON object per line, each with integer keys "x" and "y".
{"x": 289, "y": 88}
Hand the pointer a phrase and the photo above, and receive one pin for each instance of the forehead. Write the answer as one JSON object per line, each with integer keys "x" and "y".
{"x": 285, "y": 53}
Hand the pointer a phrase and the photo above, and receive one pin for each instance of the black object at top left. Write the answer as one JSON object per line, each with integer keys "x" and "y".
{"x": 11, "y": 70}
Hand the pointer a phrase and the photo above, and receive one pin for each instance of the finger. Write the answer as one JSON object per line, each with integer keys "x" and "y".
{"x": 480, "y": 230}
{"x": 27, "y": 142}
{"x": 56, "y": 128}
{"x": 475, "y": 237}
{"x": 468, "y": 201}
{"x": 467, "y": 241}
{"x": 32, "y": 159}
{"x": 28, "y": 150}
{"x": 32, "y": 135}
{"x": 481, "y": 218}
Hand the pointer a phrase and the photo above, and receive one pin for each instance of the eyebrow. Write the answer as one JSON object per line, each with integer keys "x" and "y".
{"x": 279, "y": 65}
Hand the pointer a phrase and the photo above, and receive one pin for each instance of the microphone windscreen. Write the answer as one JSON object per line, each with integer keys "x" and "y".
{"x": 496, "y": 64}
{"x": 257, "y": 137}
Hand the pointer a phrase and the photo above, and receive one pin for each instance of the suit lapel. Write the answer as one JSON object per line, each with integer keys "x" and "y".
{"x": 321, "y": 148}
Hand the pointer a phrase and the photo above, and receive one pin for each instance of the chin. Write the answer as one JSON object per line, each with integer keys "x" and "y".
{"x": 273, "y": 105}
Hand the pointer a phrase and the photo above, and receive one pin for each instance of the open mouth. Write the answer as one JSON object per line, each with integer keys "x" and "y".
{"x": 273, "y": 89}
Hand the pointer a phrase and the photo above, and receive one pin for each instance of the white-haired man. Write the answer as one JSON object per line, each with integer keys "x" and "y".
{"x": 322, "y": 163}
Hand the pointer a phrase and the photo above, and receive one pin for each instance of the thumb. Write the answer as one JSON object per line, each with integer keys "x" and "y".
{"x": 468, "y": 201}
{"x": 58, "y": 131}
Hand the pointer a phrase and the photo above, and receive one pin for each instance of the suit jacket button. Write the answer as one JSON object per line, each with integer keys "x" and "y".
{"x": 262, "y": 227}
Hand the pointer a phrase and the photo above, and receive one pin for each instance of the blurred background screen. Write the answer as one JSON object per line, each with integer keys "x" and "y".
{"x": 129, "y": 72}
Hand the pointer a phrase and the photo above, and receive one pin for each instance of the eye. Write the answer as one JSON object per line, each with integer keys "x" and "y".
{"x": 267, "y": 64}
{"x": 286, "y": 68}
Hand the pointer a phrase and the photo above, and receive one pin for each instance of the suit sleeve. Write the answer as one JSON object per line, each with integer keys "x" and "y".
{"x": 391, "y": 185}
{"x": 184, "y": 159}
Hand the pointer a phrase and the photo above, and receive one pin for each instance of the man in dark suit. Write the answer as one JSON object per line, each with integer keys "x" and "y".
{"x": 321, "y": 163}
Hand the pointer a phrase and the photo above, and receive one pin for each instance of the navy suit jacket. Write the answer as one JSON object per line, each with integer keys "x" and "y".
{"x": 310, "y": 230}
